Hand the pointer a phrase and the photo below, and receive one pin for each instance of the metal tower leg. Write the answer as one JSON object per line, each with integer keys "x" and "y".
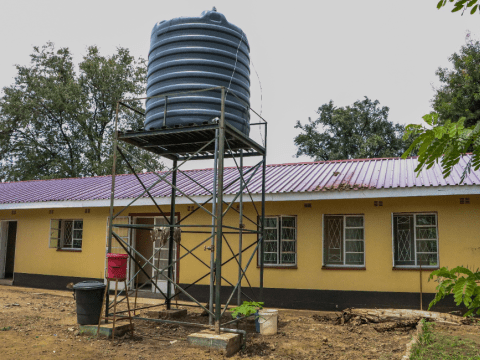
{"x": 240, "y": 235}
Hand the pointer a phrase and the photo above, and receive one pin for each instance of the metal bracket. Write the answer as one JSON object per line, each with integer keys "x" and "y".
{"x": 211, "y": 248}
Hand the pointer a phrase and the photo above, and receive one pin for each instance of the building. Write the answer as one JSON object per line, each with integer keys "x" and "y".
{"x": 347, "y": 233}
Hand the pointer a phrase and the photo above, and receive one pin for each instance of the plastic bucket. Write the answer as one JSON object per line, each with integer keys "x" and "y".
{"x": 267, "y": 319}
{"x": 89, "y": 297}
{"x": 117, "y": 266}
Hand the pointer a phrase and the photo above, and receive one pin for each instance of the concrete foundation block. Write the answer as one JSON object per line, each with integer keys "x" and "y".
{"x": 228, "y": 343}
{"x": 172, "y": 314}
{"x": 106, "y": 330}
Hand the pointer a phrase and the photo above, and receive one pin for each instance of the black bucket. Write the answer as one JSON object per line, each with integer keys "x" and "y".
{"x": 89, "y": 297}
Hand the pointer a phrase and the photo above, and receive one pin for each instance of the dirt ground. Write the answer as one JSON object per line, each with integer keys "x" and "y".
{"x": 38, "y": 324}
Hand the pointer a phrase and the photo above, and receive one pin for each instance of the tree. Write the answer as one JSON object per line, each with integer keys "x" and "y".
{"x": 361, "y": 130}
{"x": 56, "y": 123}
{"x": 459, "y": 93}
{"x": 453, "y": 128}
{"x": 451, "y": 131}
{"x": 469, "y": 5}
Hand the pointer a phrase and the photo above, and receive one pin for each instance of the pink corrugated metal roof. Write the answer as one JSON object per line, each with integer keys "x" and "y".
{"x": 337, "y": 175}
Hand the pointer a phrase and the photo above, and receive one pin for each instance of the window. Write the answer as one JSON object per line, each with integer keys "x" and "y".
{"x": 280, "y": 247}
{"x": 415, "y": 240}
{"x": 66, "y": 234}
{"x": 343, "y": 240}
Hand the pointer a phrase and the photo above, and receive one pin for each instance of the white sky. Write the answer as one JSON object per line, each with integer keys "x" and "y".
{"x": 305, "y": 52}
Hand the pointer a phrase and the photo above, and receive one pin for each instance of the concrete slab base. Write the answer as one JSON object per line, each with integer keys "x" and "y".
{"x": 6, "y": 282}
{"x": 172, "y": 314}
{"x": 105, "y": 329}
{"x": 228, "y": 343}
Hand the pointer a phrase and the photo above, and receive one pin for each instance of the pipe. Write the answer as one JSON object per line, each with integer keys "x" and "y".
{"x": 212, "y": 243}
{"x": 421, "y": 290}
{"x": 240, "y": 235}
{"x": 171, "y": 274}
{"x": 219, "y": 210}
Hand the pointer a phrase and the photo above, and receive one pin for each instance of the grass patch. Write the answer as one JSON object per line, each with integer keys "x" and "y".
{"x": 5, "y": 328}
{"x": 434, "y": 344}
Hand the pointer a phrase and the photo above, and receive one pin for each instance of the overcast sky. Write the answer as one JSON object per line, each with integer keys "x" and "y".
{"x": 305, "y": 52}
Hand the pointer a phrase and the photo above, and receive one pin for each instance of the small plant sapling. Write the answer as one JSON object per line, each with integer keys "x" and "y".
{"x": 247, "y": 308}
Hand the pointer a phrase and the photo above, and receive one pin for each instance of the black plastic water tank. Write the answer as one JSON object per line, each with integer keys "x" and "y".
{"x": 89, "y": 297}
{"x": 193, "y": 53}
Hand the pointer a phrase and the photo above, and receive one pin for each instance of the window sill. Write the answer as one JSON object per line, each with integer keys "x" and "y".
{"x": 343, "y": 268}
{"x": 69, "y": 250}
{"x": 415, "y": 268}
{"x": 278, "y": 266}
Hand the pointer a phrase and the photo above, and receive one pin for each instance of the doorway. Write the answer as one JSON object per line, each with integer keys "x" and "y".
{"x": 8, "y": 238}
{"x": 155, "y": 253}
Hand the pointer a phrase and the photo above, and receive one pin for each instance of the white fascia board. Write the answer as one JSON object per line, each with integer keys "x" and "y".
{"x": 303, "y": 196}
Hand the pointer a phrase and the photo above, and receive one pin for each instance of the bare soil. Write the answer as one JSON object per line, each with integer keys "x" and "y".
{"x": 37, "y": 324}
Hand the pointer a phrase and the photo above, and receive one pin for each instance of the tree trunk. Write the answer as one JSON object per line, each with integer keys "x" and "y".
{"x": 398, "y": 315}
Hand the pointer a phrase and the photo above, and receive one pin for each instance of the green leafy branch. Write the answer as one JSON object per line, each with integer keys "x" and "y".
{"x": 462, "y": 283}
{"x": 447, "y": 143}
{"x": 460, "y": 4}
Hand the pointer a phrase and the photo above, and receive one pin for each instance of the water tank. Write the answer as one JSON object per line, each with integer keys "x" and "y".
{"x": 193, "y": 53}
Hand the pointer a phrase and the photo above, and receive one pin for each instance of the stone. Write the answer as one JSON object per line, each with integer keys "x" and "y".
{"x": 228, "y": 343}
{"x": 105, "y": 329}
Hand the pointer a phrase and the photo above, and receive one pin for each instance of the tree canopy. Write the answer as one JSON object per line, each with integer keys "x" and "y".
{"x": 459, "y": 93}
{"x": 361, "y": 130}
{"x": 453, "y": 128}
{"x": 57, "y": 119}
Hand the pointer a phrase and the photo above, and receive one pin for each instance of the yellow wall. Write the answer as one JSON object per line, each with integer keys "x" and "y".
{"x": 457, "y": 230}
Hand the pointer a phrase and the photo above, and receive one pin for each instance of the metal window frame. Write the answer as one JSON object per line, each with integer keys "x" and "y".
{"x": 279, "y": 241}
{"x": 61, "y": 238}
{"x": 344, "y": 252}
{"x": 50, "y": 235}
{"x": 269, "y": 241}
{"x": 416, "y": 266}
{"x": 287, "y": 240}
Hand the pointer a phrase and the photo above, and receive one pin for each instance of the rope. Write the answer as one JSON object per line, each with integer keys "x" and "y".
{"x": 236, "y": 60}
{"x": 261, "y": 102}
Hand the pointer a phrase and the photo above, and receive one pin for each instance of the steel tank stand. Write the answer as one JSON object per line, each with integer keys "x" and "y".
{"x": 216, "y": 140}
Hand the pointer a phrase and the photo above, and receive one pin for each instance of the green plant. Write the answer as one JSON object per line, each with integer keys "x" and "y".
{"x": 5, "y": 328}
{"x": 442, "y": 344}
{"x": 247, "y": 308}
{"x": 425, "y": 337}
{"x": 462, "y": 283}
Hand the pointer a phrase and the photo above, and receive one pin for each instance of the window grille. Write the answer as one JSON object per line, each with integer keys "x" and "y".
{"x": 280, "y": 243}
{"x": 343, "y": 240}
{"x": 415, "y": 240}
{"x": 66, "y": 234}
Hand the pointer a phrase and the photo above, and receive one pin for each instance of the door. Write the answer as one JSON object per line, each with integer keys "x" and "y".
{"x": 124, "y": 234}
{"x": 3, "y": 247}
{"x": 160, "y": 260}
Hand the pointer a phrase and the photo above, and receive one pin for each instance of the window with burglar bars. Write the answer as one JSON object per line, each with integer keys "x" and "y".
{"x": 343, "y": 240}
{"x": 280, "y": 247}
{"x": 66, "y": 234}
{"x": 415, "y": 240}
